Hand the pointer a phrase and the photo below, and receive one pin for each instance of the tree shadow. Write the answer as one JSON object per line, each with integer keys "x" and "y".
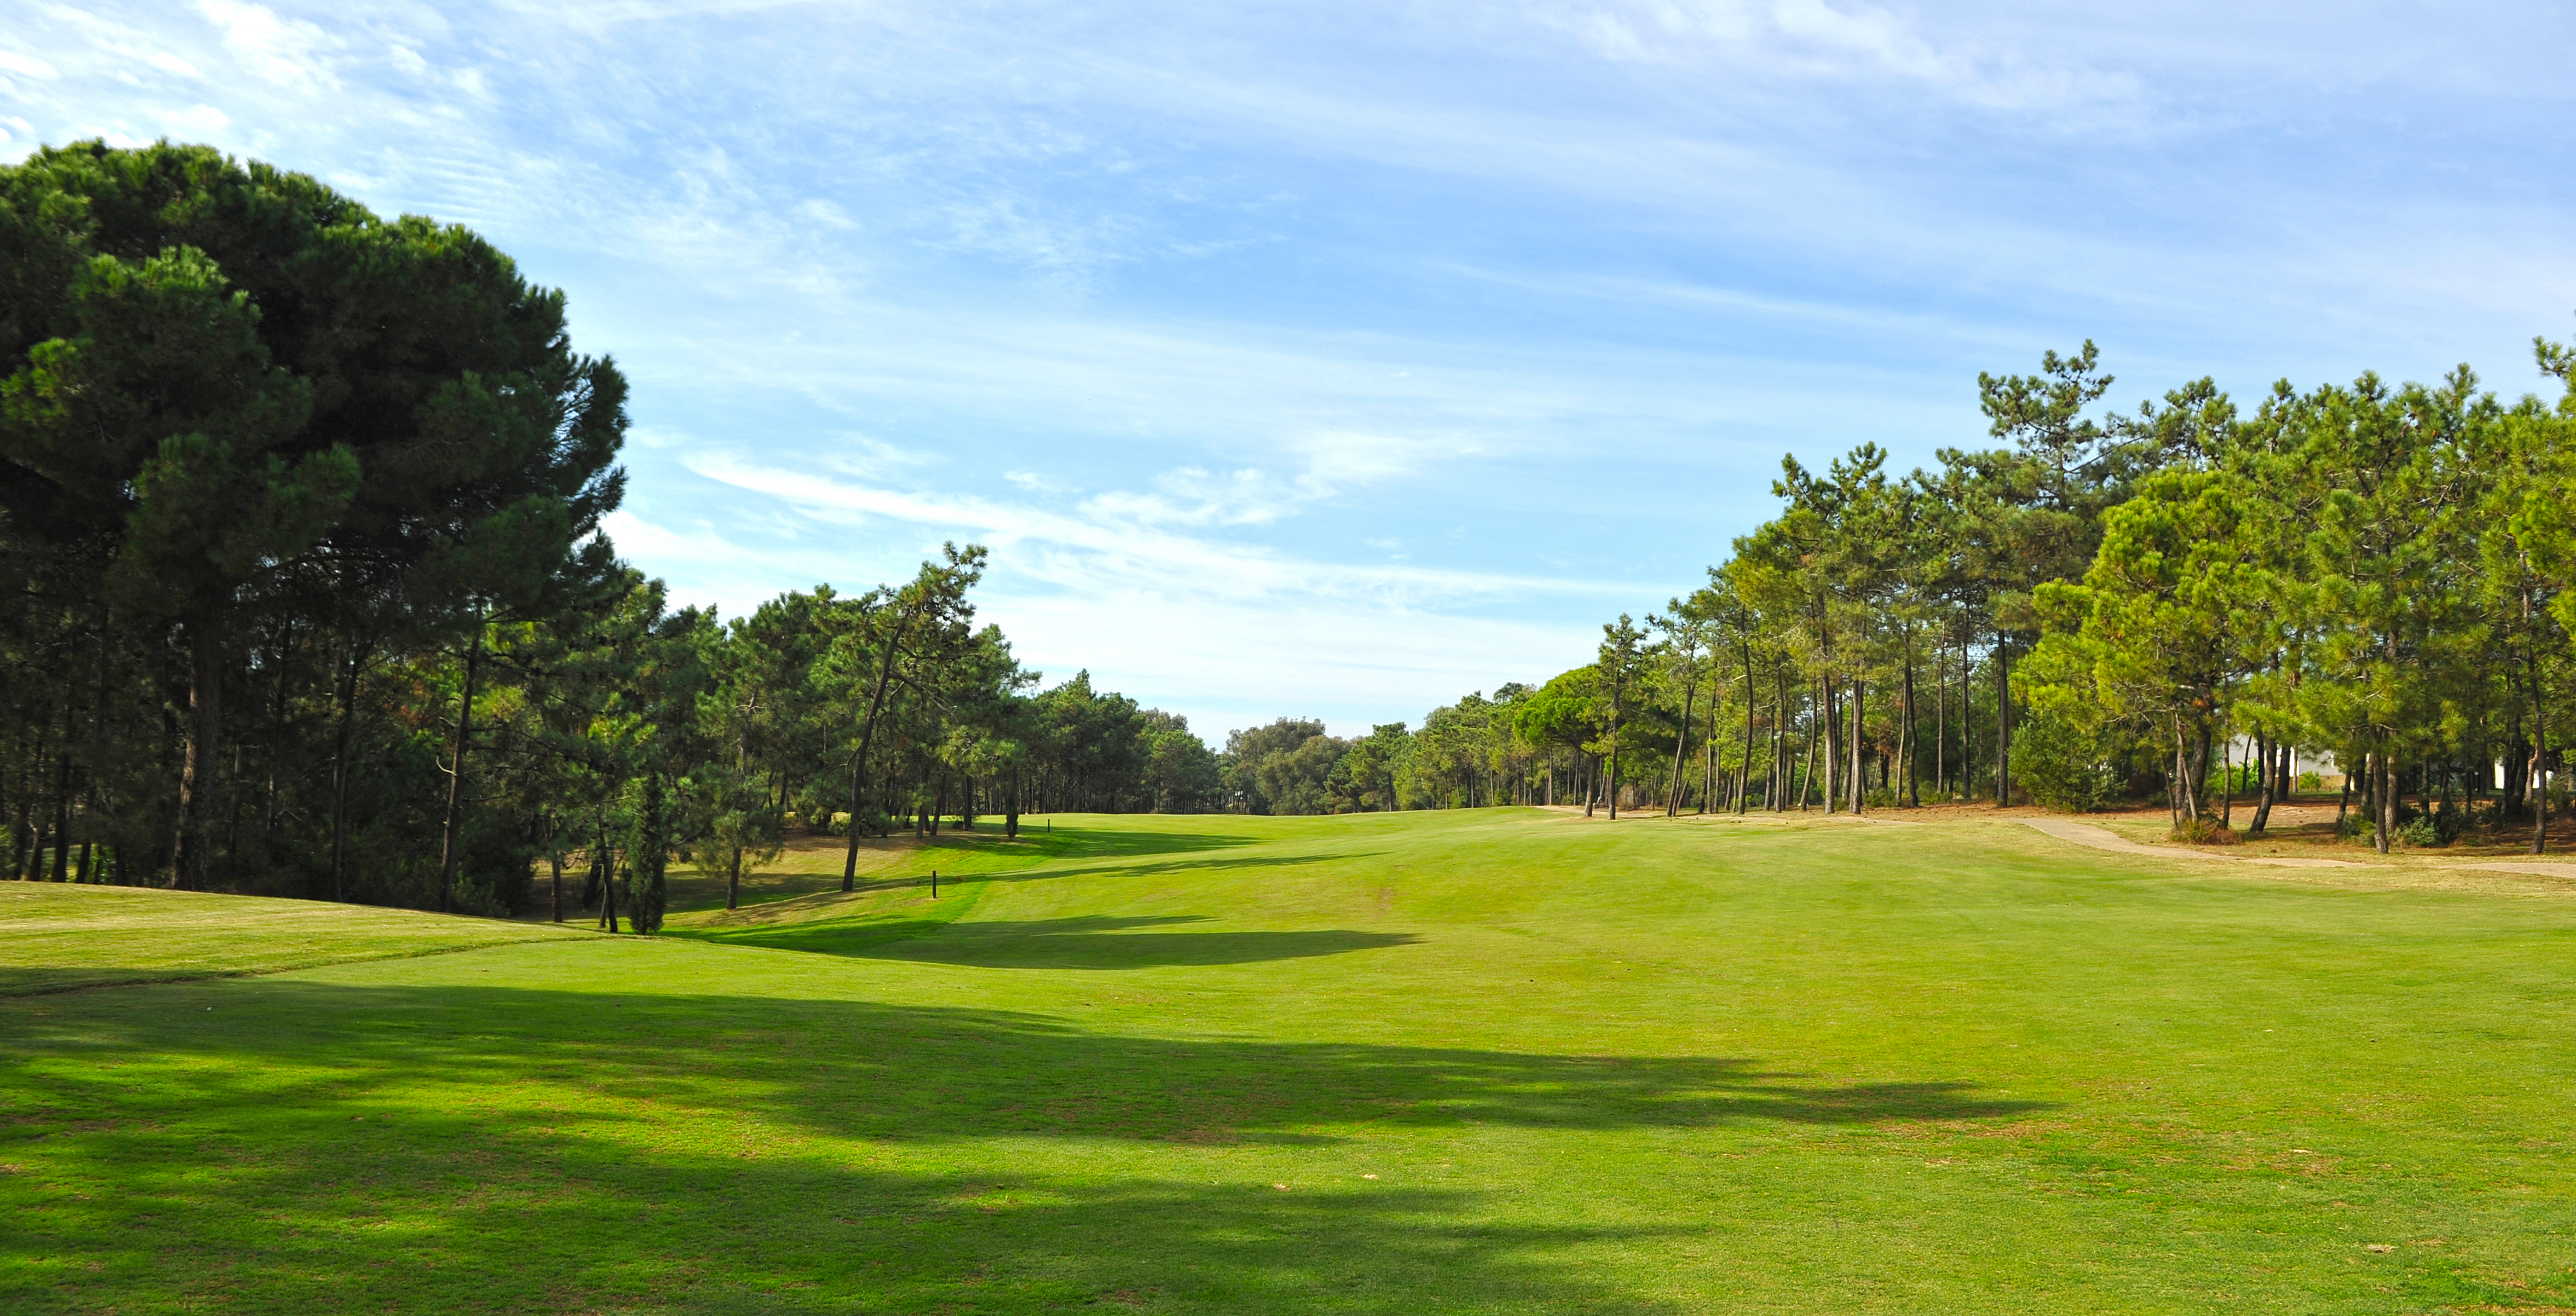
{"x": 1046, "y": 871}
{"x": 1108, "y": 842}
{"x": 530, "y": 1149}
{"x": 1085, "y": 942}
{"x": 1103, "y": 943}
{"x": 1175, "y": 866}
{"x": 942, "y": 1073}
{"x": 812, "y": 865}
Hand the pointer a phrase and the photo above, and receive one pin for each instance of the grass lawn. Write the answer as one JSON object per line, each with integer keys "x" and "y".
{"x": 1494, "y": 1061}
{"x": 63, "y": 938}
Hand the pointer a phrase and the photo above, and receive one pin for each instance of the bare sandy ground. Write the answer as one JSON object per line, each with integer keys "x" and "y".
{"x": 2102, "y": 838}
{"x": 2295, "y": 827}
{"x": 2432, "y": 872}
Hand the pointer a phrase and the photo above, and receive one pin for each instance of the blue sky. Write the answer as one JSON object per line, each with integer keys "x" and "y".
{"x": 1336, "y": 360}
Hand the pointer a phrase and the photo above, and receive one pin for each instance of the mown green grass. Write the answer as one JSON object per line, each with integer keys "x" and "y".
{"x": 1479, "y": 1062}
{"x": 61, "y": 938}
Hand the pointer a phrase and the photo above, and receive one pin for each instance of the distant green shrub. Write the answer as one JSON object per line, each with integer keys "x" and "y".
{"x": 2064, "y": 767}
{"x": 2241, "y": 777}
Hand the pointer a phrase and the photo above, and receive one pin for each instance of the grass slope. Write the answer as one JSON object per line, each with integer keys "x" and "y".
{"x": 61, "y": 938}
{"x": 1500, "y": 1061}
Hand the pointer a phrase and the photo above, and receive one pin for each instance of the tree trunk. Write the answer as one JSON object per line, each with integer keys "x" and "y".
{"x": 2205, "y": 750}
{"x": 448, "y": 855}
{"x": 2178, "y": 790}
{"x": 2263, "y": 754}
{"x": 2508, "y": 767}
{"x": 652, "y": 853}
{"x": 1611, "y": 774}
{"x": 2003, "y": 723}
{"x": 556, "y": 857}
{"x": 2226, "y": 781}
{"x": 733, "y": 881}
{"x": 1681, "y": 747}
{"x": 197, "y": 771}
{"x": 276, "y": 741}
{"x": 1806, "y": 782}
{"x": 859, "y": 761}
{"x": 1839, "y": 766}
{"x": 1710, "y": 775}
{"x": 1744, "y": 779}
{"x": 1782, "y": 765}
{"x": 340, "y": 773}
{"x": 1859, "y": 721}
{"x": 1829, "y": 697}
{"x": 2539, "y": 760}
{"x": 63, "y": 801}
{"x": 2384, "y": 782}
{"x": 91, "y": 798}
{"x": 608, "y": 893}
{"x": 1907, "y": 747}
{"x": 34, "y": 871}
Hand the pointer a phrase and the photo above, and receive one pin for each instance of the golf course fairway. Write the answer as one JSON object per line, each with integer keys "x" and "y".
{"x": 1473, "y": 1061}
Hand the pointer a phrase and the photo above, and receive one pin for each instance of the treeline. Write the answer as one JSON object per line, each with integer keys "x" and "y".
{"x": 305, "y": 592}
{"x": 2186, "y": 603}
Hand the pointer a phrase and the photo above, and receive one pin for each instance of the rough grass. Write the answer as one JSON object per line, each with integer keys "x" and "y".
{"x": 1501, "y": 1061}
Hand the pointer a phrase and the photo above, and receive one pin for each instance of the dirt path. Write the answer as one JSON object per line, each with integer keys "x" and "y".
{"x": 2099, "y": 838}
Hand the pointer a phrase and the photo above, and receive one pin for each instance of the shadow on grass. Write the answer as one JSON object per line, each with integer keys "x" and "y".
{"x": 813, "y": 864}
{"x": 1178, "y": 866}
{"x": 1088, "y": 942}
{"x": 1044, "y": 873}
{"x": 1107, "y": 842}
{"x": 927, "y": 1073}
{"x": 565, "y": 1150}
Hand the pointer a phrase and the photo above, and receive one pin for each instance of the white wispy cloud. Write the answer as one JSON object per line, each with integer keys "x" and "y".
{"x": 1224, "y": 305}
{"x": 858, "y": 454}
{"x": 26, "y": 66}
{"x": 1227, "y": 664}
{"x": 197, "y": 121}
{"x": 1822, "y": 39}
{"x": 1224, "y": 632}
{"x": 290, "y": 52}
{"x": 1117, "y": 545}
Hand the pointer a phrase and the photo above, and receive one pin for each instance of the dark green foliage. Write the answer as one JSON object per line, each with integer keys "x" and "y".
{"x": 651, "y": 851}
{"x": 2065, "y": 766}
{"x": 264, "y": 459}
{"x": 276, "y": 475}
{"x": 1284, "y": 767}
